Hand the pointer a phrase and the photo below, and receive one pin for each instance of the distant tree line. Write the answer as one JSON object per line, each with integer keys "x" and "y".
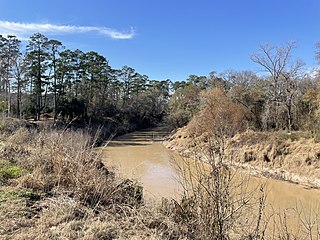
{"x": 46, "y": 79}
{"x": 283, "y": 96}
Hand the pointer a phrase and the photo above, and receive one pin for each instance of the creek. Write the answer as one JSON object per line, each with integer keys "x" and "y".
{"x": 140, "y": 155}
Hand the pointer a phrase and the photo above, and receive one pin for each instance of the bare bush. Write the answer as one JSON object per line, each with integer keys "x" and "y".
{"x": 218, "y": 203}
{"x": 219, "y": 115}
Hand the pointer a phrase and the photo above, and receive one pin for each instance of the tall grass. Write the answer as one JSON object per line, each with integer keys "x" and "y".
{"x": 71, "y": 193}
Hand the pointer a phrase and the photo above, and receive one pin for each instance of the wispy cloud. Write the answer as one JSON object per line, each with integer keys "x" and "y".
{"x": 24, "y": 30}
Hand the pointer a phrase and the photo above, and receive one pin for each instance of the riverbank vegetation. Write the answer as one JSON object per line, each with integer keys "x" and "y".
{"x": 270, "y": 121}
{"x": 263, "y": 125}
{"x": 44, "y": 80}
{"x": 283, "y": 96}
{"x": 53, "y": 185}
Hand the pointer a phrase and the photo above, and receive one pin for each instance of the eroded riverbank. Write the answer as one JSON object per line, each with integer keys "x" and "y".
{"x": 141, "y": 155}
{"x": 291, "y": 157}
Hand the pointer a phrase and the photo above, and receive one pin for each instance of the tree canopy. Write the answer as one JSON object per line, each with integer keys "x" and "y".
{"x": 48, "y": 80}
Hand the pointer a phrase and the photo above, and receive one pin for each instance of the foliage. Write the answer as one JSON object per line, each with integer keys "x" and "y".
{"x": 74, "y": 85}
{"x": 82, "y": 86}
{"x": 309, "y": 107}
{"x": 184, "y": 103}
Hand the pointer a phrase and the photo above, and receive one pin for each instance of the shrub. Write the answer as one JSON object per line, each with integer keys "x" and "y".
{"x": 219, "y": 115}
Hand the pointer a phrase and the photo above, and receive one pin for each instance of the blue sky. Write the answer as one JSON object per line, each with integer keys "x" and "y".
{"x": 170, "y": 39}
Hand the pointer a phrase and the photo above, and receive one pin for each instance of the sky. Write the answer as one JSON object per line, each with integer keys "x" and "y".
{"x": 170, "y": 39}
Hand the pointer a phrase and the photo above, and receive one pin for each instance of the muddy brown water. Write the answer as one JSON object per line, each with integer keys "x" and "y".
{"x": 140, "y": 155}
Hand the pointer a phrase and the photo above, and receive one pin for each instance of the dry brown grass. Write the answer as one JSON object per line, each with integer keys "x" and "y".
{"x": 65, "y": 163}
{"x": 295, "y": 154}
{"x": 70, "y": 194}
{"x": 66, "y": 192}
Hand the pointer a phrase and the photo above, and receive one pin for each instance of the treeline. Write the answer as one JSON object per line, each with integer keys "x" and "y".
{"x": 48, "y": 80}
{"x": 285, "y": 96}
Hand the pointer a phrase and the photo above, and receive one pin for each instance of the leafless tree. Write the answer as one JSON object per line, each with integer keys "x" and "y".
{"x": 284, "y": 76}
{"x": 247, "y": 89}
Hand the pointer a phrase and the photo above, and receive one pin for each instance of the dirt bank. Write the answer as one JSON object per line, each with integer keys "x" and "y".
{"x": 293, "y": 157}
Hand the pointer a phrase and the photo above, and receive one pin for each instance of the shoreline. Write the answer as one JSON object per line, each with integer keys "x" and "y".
{"x": 247, "y": 168}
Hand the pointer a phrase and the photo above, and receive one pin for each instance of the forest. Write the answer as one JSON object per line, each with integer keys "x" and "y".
{"x": 46, "y": 80}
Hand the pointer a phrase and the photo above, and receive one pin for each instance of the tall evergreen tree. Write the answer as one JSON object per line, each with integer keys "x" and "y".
{"x": 37, "y": 57}
{"x": 54, "y": 47}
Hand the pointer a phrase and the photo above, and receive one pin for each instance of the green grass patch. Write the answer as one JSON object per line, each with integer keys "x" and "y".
{"x": 9, "y": 171}
{"x": 8, "y": 194}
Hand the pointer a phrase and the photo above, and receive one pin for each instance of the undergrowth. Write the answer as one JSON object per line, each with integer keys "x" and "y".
{"x": 55, "y": 186}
